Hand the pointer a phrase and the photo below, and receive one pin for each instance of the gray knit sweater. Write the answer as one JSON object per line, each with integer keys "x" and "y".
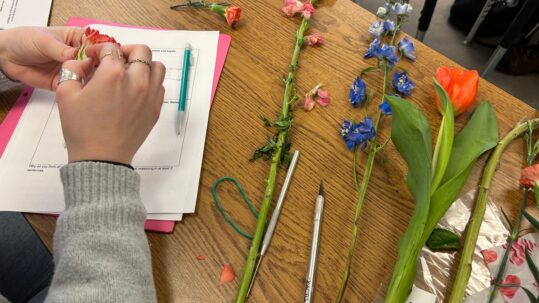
{"x": 101, "y": 253}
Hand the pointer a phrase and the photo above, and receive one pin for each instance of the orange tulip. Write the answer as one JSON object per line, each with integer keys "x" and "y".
{"x": 460, "y": 85}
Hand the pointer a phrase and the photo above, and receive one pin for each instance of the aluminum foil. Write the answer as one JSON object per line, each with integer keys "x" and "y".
{"x": 435, "y": 269}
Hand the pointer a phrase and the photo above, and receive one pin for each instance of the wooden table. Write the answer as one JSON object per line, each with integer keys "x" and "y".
{"x": 251, "y": 85}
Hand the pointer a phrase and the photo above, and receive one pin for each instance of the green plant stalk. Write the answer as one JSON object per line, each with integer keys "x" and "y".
{"x": 275, "y": 161}
{"x": 465, "y": 265}
{"x": 373, "y": 149}
{"x": 512, "y": 238}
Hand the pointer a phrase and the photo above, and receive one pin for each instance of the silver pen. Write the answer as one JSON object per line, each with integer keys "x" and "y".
{"x": 311, "y": 272}
{"x": 274, "y": 217}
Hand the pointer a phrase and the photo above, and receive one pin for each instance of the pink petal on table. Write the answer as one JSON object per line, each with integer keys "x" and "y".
{"x": 201, "y": 257}
{"x": 309, "y": 103}
{"x": 323, "y": 97}
{"x": 227, "y": 274}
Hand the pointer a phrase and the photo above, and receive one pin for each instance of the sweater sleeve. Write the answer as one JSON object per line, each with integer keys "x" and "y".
{"x": 101, "y": 252}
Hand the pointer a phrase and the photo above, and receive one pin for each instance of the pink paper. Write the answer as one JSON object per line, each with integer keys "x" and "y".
{"x": 10, "y": 121}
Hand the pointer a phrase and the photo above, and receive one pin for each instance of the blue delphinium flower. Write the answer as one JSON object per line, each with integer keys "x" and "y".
{"x": 407, "y": 48}
{"x": 388, "y": 53}
{"x": 402, "y": 9}
{"x": 357, "y": 134}
{"x": 385, "y": 108}
{"x": 358, "y": 92}
{"x": 402, "y": 83}
{"x": 377, "y": 28}
{"x": 389, "y": 26}
{"x": 373, "y": 50}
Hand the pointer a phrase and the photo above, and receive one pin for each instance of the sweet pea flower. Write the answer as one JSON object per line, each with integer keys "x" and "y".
{"x": 308, "y": 9}
{"x": 402, "y": 9}
{"x": 407, "y": 48}
{"x": 460, "y": 85}
{"x": 308, "y": 104}
{"x": 314, "y": 39}
{"x": 377, "y": 29}
{"x": 292, "y": 7}
{"x": 320, "y": 95}
{"x": 402, "y": 84}
{"x": 358, "y": 92}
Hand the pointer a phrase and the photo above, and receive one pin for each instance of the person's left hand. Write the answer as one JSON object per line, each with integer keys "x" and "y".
{"x": 34, "y": 55}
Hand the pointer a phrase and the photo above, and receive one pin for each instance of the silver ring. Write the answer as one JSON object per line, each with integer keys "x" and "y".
{"x": 148, "y": 64}
{"x": 66, "y": 74}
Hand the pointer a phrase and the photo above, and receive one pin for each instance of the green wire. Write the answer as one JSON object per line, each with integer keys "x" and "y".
{"x": 222, "y": 211}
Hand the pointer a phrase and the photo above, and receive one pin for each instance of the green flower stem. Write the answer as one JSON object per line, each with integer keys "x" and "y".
{"x": 275, "y": 161}
{"x": 512, "y": 238}
{"x": 373, "y": 149}
{"x": 465, "y": 265}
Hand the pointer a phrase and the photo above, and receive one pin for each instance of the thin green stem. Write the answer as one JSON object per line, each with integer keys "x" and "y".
{"x": 516, "y": 226}
{"x": 356, "y": 183}
{"x": 465, "y": 265}
{"x": 276, "y": 159}
{"x": 361, "y": 196}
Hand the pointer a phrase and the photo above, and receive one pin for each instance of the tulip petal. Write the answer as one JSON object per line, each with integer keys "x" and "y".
{"x": 227, "y": 274}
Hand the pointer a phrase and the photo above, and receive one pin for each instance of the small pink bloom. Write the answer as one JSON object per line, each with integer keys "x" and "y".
{"x": 489, "y": 255}
{"x": 308, "y": 9}
{"x": 227, "y": 273}
{"x": 292, "y": 7}
{"x": 315, "y": 39}
{"x": 322, "y": 97}
{"x": 509, "y": 292}
{"x": 308, "y": 105}
{"x": 530, "y": 176}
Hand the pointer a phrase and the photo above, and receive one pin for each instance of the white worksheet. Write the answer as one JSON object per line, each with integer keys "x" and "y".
{"x": 169, "y": 164}
{"x": 24, "y": 13}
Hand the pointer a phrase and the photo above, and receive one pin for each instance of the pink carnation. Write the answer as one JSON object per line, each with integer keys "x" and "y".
{"x": 292, "y": 7}
{"x": 530, "y": 176}
{"x": 315, "y": 39}
{"x": 308, "y": 9}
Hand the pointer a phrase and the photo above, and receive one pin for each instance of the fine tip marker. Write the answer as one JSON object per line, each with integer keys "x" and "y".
{"x": 183, "y": 88}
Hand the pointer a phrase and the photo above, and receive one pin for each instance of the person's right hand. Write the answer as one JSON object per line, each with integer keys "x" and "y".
{"x": 110, "y": 116}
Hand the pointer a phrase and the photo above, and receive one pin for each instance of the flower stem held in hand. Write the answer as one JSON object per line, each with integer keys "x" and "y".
{"x": 465, "y": 265}
{"x": 275, "y": 161}
{"x": 361, "y": 194}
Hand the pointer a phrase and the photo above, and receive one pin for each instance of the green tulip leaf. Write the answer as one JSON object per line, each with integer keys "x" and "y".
{"x": 479, "y": 135}
{"x": 444, "y": 143}
{"x": 442, "y": 239}
{"x": 410, "y": 132}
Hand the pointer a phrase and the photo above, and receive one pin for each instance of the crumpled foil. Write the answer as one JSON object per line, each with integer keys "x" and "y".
{"x": 435, "y": 269}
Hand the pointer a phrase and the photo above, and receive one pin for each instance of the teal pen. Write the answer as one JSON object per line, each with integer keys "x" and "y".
{"x": 183, "y": 87}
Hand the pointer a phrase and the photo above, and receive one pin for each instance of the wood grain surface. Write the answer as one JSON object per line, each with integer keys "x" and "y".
{"x": 251, "y": 85}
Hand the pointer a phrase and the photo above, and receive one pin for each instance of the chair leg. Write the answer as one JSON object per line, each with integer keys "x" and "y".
{"x": 484, "y": 12}
{"x": 424, "y": 19}
{"x": 512, "y": 33}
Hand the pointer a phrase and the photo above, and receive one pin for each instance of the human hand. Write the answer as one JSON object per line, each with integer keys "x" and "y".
{"x": 110, "y": 117}
{"x": 33, "y": 55}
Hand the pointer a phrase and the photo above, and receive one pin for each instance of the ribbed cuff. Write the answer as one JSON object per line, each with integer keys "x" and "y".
{"x": 101, "y": 195}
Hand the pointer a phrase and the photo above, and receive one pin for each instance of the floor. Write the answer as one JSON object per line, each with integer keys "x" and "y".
{"x": 448, "y": 41}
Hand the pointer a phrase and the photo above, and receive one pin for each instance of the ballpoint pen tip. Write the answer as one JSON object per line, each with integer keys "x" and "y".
{"x": 321, "y": 191}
